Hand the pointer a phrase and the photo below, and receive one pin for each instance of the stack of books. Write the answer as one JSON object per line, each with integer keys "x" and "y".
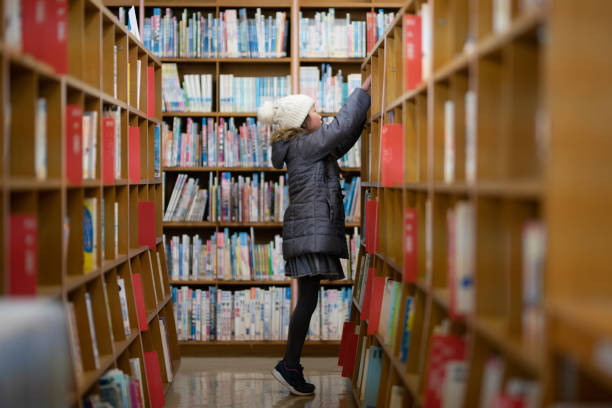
{"x": 377, "y": 24}
{"x": 216, "y": 314}
{"x": 326, "y": 36}
{"x": 231, "y": 35}
{"x": 352, "y": 199}
{"x": 329, "y": 91}
{"x": 333, "y": 308}
{"x": 195, "y": 95}
{"x": 246, "y": 94}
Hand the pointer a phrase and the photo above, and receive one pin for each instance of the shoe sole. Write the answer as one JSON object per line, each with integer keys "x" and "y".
{"x": 280, "y": 379}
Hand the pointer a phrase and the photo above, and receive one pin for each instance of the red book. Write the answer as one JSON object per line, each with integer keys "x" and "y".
{"x": 351, "y": 354}
{"x": 410, "y": 245}
{"x": 378, "y": 288}
{"x": 347, "y": 330}
{"x": 108, "y": 150}
{"x": 134, "y": 154}
{"x": 392, "y": 155}
{"x": 141, "y": 311}
{"x": 74, "y": 136}
{"x": 156, "y": 388}
{"x": 146, "y": 224}
{"x": 508, "y": 401}
{"x": 371, "y": 233}
{"x": 412, "y": 51}
{"x": 34, "y": 14}
{"x": 444, "y": 348}
{"x": 371, "y": 28}
{"x": 23, "y": 254}
{"x": 151, "y": 91}
{"x": 365, "y": 307}
{"x": 56, "y": 39}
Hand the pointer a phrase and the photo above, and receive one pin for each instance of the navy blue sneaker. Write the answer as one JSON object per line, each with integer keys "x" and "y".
{"x": 293, "y": 379}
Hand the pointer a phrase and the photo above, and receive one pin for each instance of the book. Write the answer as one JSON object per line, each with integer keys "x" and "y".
{"x": 407, "y": 328}
{"x": 378, "y": 287}
{"x": 372, "y": 377}
{"x": 410, "y": 245}
{"x": 392, "y": 156}
{"x": 449, "y": 141}
{"x": 23, "y": 254}
{"x": 108, "y": 150}
{"x": 154, "y": 381}
{"x": 90, "y": 234}
{"x": 151, "y": 92}
{"x": 412, "y": 51}
{"x": 124, "y": 306}
{"x": 454, "y": 384}
{"x": 137, "y": 373}
{"x": 133, "y": 23}
{"x": 134, "y": 154}
{"x": 90, "y": 144}
{"x": 460, "y": 248}
{"x": 146, "y": 224}
{"x": 246, "y": 94}
{"x": 533, "y": 256}
{"x": 165, "y": 349}
{"x": 425, "y": 14}
{"x": 73, "y": 146}
{"x": 92, "y": 330}
{"x": 371, "y": 226}
{"x": 397, "y": 397}
{"x": 470, "y": 136}
{"x": 40, "y": 139}
{"x": 138, "y": 82}
{"x": 75, "y": 344}
{"x": 329, "y": 91}
{"x": 492, "y": 380}
{"x": 141, "y": 311}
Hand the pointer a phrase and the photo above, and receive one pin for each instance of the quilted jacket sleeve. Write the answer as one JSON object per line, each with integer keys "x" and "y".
{"x": 338, "y": 136}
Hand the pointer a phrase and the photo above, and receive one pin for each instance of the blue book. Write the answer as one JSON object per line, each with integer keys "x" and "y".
{"x": 373, "y": 377}
{"x": 156, "y": 149}
{"x": 194, "y": 314}
{"x": 213, "y": 307}
{"x": 405, "y": 345}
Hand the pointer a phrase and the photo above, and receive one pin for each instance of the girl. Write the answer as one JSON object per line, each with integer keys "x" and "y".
{"x": 313, "y": 227}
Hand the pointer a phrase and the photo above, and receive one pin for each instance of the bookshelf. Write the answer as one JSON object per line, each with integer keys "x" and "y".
{"x": 279, "y": 66}
{"x": 42, "y": 216}
{"x": 515, "y": 163}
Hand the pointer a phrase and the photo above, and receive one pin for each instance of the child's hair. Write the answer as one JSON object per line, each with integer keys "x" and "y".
{"x": 286, "y": 134}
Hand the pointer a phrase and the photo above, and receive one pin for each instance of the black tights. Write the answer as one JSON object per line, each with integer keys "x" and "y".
{"x": 308, "y": 295}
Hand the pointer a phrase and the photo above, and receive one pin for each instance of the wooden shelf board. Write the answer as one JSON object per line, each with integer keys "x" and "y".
{"x": 201, "y": 282}
{"x": 29, "y": 184}
{"x": 121, "y": 346}
{"x": 134, "y": 111}
{"x": 274, "y": 60}
{"x": 159, "y": 240}
{"x": 451, "y": 188}
{"x": 137, "y": 251}
{"x": 249, "y": 348}
{"x": 416, "y": 186}
{"x": 89, "y": 378}
{"x": 15, "y": 57}
{"x": 457, "y": 64}
{"x": 189, "y": 114}
{"x": 111, "y": 100}
{"x": 442, "y": 297}
{"x": 113, "y": 263}
{"x": 422, "y": 285}
{"x": 242, "y": 169}
{"x": 168, "y": 224}
{"x": 356, "y": 305}
{"x": 331, "y": 60}
{"x": 528, "y": 356}
{"x": 52, "y": 291}
{"x": 82, "y": 86}
{"x": 121, "y": 182}
{"x": 344, "y": 282}
{"x": 253, "y": 282}
{"x": 525, "y": 189}
{"x": 153, "y": 313}
{"x": 91, "y": 183}
{"x": 73, "y": 282}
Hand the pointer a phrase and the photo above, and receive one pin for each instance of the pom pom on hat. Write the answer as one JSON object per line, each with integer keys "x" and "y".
{"x": 287, "y": 112}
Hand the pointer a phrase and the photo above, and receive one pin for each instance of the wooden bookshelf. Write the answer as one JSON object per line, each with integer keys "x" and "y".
{"x": 538, "y": 83}
{"x": 251, "y": 67}
{"x": 56, "y": 203}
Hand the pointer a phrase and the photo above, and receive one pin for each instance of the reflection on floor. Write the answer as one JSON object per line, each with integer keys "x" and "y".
{"x": 247, "y": 382}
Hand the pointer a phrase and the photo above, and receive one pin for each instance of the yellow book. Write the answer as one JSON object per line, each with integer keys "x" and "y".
{"x": 90, "y": 241}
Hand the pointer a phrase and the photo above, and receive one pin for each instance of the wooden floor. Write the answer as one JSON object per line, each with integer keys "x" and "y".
{"x": 247, "y": 382}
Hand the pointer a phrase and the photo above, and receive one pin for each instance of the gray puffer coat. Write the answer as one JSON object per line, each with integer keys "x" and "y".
{"x": 314, "y": 220}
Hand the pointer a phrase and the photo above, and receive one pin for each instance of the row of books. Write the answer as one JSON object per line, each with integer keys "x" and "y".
{"x": 324, "y": 35}
{"x": 352, "y": 159}
{"x": 333, "y": 308}
{"x": 118, "y": 389}
{"x": 196, "y": 95}
{"x": 246, "y": 94}
{"x": 224, "y": 256}
{"x": 230, "y": 35}
{"x": 214, "y": 143}
{"x": 216, "y": 314}
{"x": 230, "y": 199}
{"x": 352, "y": 199}
{"x": 329, "y": 91}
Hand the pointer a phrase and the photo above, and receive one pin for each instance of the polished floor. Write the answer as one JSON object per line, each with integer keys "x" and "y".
{"x": 247, "y": 382}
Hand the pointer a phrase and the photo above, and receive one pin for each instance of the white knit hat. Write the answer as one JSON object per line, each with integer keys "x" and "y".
{"x": 287, "y": 112}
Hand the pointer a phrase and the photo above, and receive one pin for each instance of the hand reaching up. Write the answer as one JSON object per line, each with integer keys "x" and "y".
{"x": 367, "y": 83}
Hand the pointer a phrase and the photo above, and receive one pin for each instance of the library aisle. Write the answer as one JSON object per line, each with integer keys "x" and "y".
{"x": 247, "y": 382}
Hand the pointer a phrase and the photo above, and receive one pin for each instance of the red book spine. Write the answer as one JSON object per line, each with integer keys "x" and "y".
{"x": 370, "y": 36}
{"x": 108, "y": 150}
{"x": 141, "y": 311}
{"x": 154, "y": 382}
{"x": 367, "y": 296}
{"x": 74, "y": 136}
{"x": 351, "y": 354}
{"x": 410, "y": 245}
{"x": 412, "y": 51}
{"x": 151, "y": 91}
{"x": 347, "y": 330}
{"x": 371, "y": 233}
{"x": 146, "y": 224}
{"x": 134, "y": 154}
{"x": 392, "y": 155}
{"x": 23, "y": 254}
{"x": 443, "y": 349}
{"x": 34, "y": 14}
{"x": 378, "y": 288}
{"x": 56, "y": 51}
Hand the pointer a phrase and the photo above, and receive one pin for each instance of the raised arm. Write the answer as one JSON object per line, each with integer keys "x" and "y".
{"x": 341, "y": 133}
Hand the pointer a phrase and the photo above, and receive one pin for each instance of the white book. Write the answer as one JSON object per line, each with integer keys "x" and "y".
{"x": 502, "y": 14}
{"x": 124, "y": 306}
{"x": 493, "y": 377}
{"x": 454, "y": 383}
{"x": 160, "y": 273}
{"x": 397, "y": 397}
{"x": 86, "y": 145}
{"x": 115, "y": 71}
{"x": 470, "y": 136}
{"x": 117, "y": 114}
{"x": 426, "y": 39}
{"x": 449, "y": 141}
{"x": 92, "y": 330}
{"x": 40, "y": 155}
{"x": 133, "y": 22}
{"x": 116, "y": 227}
{"x": 165, "y": 349}
{"x": 74, "y": 339}
{"x": 93, "y": 141}
{"x": 464, "y": 261}
{"x": 137, "y": 374}
{"x": 138, "y": 78}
